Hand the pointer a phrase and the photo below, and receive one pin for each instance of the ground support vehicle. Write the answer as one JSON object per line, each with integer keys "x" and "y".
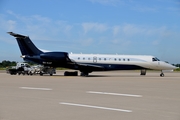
{"x": 47, "y": 70}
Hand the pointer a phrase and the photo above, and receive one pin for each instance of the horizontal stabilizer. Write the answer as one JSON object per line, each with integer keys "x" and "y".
{"x": 17, "y": 35}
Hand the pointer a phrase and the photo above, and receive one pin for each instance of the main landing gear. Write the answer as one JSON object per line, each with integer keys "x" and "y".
{"x": 143, "y": 72}
{"x": 84, "y": 74}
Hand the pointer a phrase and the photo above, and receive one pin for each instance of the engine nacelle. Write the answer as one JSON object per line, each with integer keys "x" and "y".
{"x": 54, "y": 56}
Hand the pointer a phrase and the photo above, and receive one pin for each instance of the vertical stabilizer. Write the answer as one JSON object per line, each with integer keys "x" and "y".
{"x": 26, "y": 46}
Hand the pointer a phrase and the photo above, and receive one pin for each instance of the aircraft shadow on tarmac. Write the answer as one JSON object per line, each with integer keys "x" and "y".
{"x": 89, "y": 76}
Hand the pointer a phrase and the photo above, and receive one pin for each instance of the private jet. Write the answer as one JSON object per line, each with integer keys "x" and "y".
{"x": 87, "y": 63}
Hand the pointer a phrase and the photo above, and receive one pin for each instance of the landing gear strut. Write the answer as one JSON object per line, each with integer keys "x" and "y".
{"x": 143, "y": 72}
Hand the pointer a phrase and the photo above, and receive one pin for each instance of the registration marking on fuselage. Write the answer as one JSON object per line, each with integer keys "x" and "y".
{"x": 118, "y": 94}
{"x": 32, "y": 88}
{"x": 96, "y": 107}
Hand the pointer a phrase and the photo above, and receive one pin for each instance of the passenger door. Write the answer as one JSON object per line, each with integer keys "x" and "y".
{"x": 94, "y": 59}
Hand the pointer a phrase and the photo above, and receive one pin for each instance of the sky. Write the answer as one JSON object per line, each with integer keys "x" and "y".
{"x": 133, "y": 27}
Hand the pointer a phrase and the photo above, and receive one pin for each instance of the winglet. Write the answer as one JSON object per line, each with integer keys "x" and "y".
{"x": 17, "y": 35}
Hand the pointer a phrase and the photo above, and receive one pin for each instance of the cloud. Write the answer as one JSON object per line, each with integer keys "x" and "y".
{"x": 43, "y": 28}
{"x": 97, "y": 27}
{"x": 41, "y": 19}
{"x": 116, "y": 30}
{"x": 155, "y": 42}
{"x": 11, "y": 25}
{"x": 64, "y": 25}
{"x": 129, "y": 30}
{"x": 145, "y": 8}
{"x": 121, "y": 42}
{"x": 144, "y": 34}
{"x": 87, "y": 42}
{"x": 132, "y": 30}
{"x": 8, "y": 25}
{"x": 106, "y": 2}
{"x": 35, "y": 25}
{"x": 131, "y": 4}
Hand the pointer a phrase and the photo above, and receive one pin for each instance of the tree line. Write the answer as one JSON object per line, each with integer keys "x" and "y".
{"x": 6, "y": 63}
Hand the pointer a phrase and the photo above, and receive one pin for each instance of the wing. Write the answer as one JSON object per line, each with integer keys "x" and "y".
{"x": 89, "y": 67}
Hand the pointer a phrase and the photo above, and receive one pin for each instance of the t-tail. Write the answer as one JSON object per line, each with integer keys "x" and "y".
{"x": 31, "y": 53}
{"x": 26, "y": 45}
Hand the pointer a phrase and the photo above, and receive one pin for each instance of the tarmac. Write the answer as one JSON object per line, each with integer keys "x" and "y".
{"x": 118, "y": 95}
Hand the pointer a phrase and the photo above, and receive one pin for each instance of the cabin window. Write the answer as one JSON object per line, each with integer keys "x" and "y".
{"x": 78, "y": 58}
{"x": 123, "y": 59}
{"x": 115, "y": 59}
{"x": 128, "y": 59}
{"x": 83, "y": 58}
{"x": 104, "y": 58}
{"x": 89, "y": 59}
{"x": 119, "y": 59}
{"x": 99, "y": 58}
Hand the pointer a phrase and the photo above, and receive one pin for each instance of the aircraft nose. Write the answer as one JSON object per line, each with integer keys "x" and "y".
{"x": 172, "y": 66}
{"x": 168, "y": 66}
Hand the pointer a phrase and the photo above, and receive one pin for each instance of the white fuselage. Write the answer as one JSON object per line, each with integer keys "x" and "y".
{"x": 144, "y": 61}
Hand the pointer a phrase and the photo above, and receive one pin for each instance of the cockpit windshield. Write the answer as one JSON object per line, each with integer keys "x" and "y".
{"x": 155, "y": 59}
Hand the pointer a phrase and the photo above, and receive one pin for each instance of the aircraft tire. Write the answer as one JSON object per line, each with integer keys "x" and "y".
{"x": 41, "y": 74}
{"x": 84, "y": 74}
{"x": 162, "y": 74}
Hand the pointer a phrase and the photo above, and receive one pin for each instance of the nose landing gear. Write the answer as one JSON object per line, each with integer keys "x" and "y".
{"x": 162, "y": 74}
